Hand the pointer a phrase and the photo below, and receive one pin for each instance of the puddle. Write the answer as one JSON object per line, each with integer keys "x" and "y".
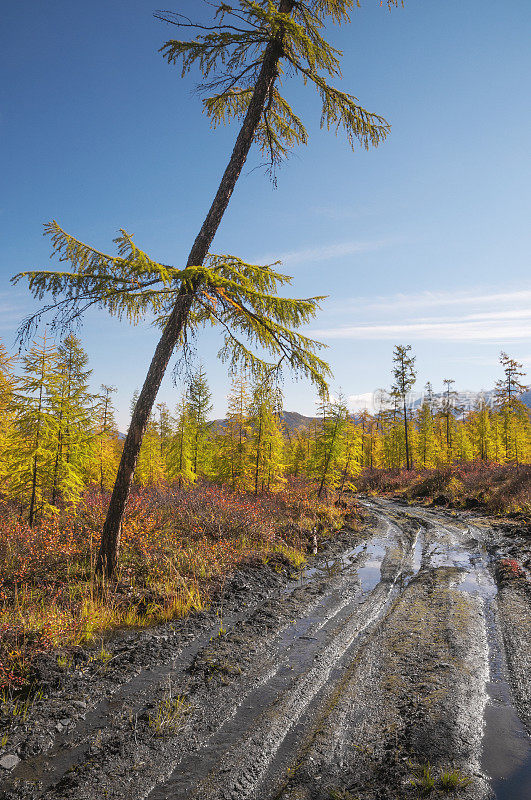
{"x": 370, "y": 573}
{"x": 300, "y": 647}
{"x": 475, "y": 577}
{"x": 506, "y": 757}
{"x": 333, "y": 566}
{"x": 363, "y": 561}
{"x": 461, "y": 549}
{"x": 477, "y": 582}
{"x": 415, "y": 561}
{"x": 506, "y": 745}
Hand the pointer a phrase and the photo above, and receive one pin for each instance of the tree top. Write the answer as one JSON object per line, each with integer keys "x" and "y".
{"x": 228, "y": 49}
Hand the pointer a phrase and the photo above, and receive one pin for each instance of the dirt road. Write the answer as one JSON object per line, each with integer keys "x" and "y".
{"x": 397, "y": 658}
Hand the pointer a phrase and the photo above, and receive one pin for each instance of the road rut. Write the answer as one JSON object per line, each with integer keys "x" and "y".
{"x": 393, "y": 658}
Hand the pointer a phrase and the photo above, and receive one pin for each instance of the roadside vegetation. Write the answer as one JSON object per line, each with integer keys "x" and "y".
{"x": 178, "y": 545}
{"x": 427, "y": 782}
{"x": 208, "y": 496}
{"x": 438, "y": 452}
{"x": 485, "y": 486}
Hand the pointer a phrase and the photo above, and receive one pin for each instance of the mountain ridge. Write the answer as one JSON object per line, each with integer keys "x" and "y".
{"x": 294, "y": 419}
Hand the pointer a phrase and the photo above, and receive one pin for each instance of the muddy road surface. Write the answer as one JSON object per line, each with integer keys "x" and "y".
{"x": 396, "y": 665}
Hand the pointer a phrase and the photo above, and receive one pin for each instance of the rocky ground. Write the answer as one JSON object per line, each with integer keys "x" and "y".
{"x": 396, "y": 665}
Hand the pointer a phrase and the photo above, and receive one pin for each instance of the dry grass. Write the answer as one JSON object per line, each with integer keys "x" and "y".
{"x": 177, "y": 547}
{"x": 171, "y": 714}
{"x": 493, "y": 488}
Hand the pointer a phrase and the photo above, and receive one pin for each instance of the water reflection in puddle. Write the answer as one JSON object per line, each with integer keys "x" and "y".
{"x": 365, "y": 561}
{"x": 459, "y": 550}
{"x": 506, "y": 744}
{"x": 506, "y": 750}
{"x": 506, "y": 747}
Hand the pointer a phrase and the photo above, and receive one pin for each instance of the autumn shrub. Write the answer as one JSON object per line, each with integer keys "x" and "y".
{"x": 510, "y": 569}
{"x": 384, "y": 480}
{"x": 430, "y": 483}
{"x": 496, "y": 488}
{"x": 177, "y": 546}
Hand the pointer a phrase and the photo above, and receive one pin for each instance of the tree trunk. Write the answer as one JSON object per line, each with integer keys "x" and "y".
{"x": 259, "y": 442}
{"x": 37, "y": 434}
{"x": 327, "y": 461}
{"x": 405, "y": 430}
{"x": 174, "y": 328}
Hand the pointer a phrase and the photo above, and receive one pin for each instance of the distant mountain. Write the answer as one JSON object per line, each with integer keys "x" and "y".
{"x": 465, "y": 402}
{"x": 373, "y": 402}
{"x": 293, "y": 420}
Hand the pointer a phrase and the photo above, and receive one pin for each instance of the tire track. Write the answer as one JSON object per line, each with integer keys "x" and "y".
{"x": 241, "y": 768}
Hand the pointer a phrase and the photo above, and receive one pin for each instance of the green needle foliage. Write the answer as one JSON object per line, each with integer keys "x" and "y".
{"x": 266, "y": 439}
{"x": 230, "y": 54}
{"x": 30, "y": 455}
{"x": 241, "y": 298}
{"x": 180, "y": 451}
{"x": 199, "y": 408}
{"x": 243, "y": 52}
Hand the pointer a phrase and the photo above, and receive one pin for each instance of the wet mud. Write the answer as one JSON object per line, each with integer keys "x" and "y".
{"x": 396, "y": 665}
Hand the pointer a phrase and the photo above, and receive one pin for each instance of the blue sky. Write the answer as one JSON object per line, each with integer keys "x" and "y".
{"x": 423, "y": 241}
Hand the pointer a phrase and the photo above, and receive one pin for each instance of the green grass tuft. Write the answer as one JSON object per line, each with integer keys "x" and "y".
{"x": 452, "y": 780}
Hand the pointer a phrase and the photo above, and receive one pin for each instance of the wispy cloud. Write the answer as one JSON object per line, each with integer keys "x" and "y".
{"x": 492, "y": 316}
{"x": 471, "y": 298}
{"x": 488, "y": 361}
{"x": 327, "y": 252}
{"x": 455, "y": 330}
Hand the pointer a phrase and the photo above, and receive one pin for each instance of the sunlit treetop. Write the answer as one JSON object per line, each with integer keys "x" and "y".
{"x": 228, "y": 53}
{"x": 510, "y": 388}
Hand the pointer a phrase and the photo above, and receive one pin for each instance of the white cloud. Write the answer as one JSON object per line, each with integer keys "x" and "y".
{"x": 454, "y": 330}
{"x": 470, "y": 298}
{"x": 326, "y": 252}
{"x": 519, "y": 313}
{"x": 368, "y": 401}
{"x": 474, "y": 298}
{"x": 489, "y": 316}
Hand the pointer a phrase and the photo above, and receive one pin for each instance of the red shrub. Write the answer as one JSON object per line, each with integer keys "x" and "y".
{"x": 510, "y": 568}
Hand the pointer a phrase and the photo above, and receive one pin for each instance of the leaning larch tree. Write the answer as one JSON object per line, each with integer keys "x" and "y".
{"x": 244, "y": 52}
